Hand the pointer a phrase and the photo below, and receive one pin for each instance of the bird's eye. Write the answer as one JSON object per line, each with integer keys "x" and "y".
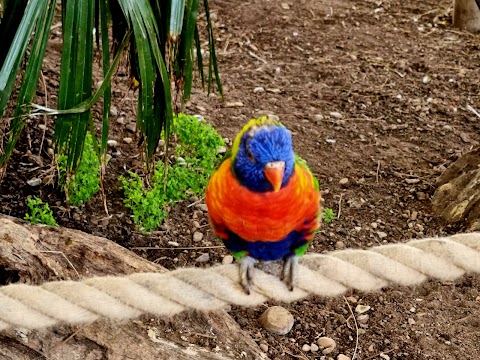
{"x": 250, "y": 156}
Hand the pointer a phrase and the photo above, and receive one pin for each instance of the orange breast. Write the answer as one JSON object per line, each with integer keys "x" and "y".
{"x": 268, "y": 216}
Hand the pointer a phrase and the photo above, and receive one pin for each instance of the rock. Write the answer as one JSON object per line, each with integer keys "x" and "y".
{"x": 314, "y": 347}
{"x": 374, "y": 225}
{"x": 121, "y": 120}
{"x": 343, "y": 357}
{"x": 132, "y": 127}
{"x": 327, "y": 344}
{"x": 127, "y": 140}
{"x": 306, "y": 348}
{"x": 331, "y": 141}
{"x": 202, "y": 207}
{"x": 258, "y": 90}
{"x": 447, "y": 127}
{"x": 112, "y": 143}
{"x": 360, "y": 308}
{"x": 203, "y": 258}
{"x": 285, "y": 6}
{"x": 234, "y": 104}
{"x": 173, "y": 243}
{"x": 343, "y": 181}
{"x": 34, "y": 182}
{"x": 113, "y": 111}
{"x": 363, "y": 319}
{"x": 384, "y": 356}
{"x": 196, "y": 224}
{"x": 197, "y": 236}
{"x": 381, "y": 234}
{"x": 414, "y": 215}
{"x": 277, "y": 320}
{"x": 227, "y": 259}
{"x": 339, "y": 245}
{"x": 318, "y": 117}
{"x": 411, "y": 321}
{"x": 336, "y": 115}
{"x": 264, "y": 347}
{"x": 412, "y": 181}
{"x": 221, "y": 149}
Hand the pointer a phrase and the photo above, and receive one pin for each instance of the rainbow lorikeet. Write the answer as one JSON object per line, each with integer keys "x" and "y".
{"x": 263, "y": 201}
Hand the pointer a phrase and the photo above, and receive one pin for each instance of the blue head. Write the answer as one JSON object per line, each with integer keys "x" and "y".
{"x": 263, "y": 158}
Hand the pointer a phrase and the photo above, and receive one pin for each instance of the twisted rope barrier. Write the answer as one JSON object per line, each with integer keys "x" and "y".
{"x": 167, "y": 294}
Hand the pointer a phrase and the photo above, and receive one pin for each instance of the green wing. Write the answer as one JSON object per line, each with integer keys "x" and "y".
{"x": 303, "y": 164}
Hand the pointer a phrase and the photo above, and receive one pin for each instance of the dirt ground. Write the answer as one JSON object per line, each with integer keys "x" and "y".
{"x": 374, "y": 92}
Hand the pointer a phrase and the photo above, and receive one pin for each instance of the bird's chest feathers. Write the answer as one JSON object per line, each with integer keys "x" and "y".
{"x": 264, "y": 216}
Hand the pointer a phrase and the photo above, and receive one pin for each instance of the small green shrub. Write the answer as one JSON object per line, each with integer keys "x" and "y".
{"x": 197, "y": 157}
{"x": 85, "y": 183}
{"x": 40, "y": 212}
{"x": 328, "y": 215}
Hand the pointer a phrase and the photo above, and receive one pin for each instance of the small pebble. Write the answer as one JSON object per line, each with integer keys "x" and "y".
{"x": 314, "y": 347}
{"x": 352, "y": 300}
{"x": 306, "y": 348}
{"x": 277, "y": 320}
{"x": 339, "y": 245}
{"x": 361, "y": 309}
{"x": 221, "y": 149}
{"x": 121, "y": 120}
{"x": 203, "y": 258}
{"x": 112, "y": 143}
{"x": 336, "y": 115}
{"x": 202, "y": 207}
{"x": 196, "y": 224}
{"x": 384, "y": 356}
{"x": 327, "y": 344}
{"x": 113, "y": 111}
{"x": 343, "y": 181}
{"x": 412, "y": 309}
{"x": 331, "y": 141}
{"x": 127, "y": 140}
{"x": 363, "y": 319}
{"x": 258, "y": 90}
{"x": 343, "y": 357}
{"x": 34, "y": 182}
{"x": 412, "y": 181}
{"x": 173, "y": 243}
{"x": 264, "y": 347}
{"x": 227, "y": 259}
{"x": 411, "y": 321}
{"x": 132, "y": 127}
{"x": 374, "y": 225}
{"x": 197, "y": 236}
{"x": 381, "y": 234}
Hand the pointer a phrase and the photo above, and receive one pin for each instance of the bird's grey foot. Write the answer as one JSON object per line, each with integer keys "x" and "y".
{"x": 247, "y": 264}
{"x": 290, "y": 271}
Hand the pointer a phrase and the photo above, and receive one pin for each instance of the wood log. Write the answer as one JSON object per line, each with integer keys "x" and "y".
{"x": 34, "y": 254}
{"x": 466, "y": 15}
{"x": 457, "y": 198}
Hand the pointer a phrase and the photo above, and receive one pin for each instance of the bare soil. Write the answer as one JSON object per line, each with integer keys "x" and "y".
{"x": 373, "y": 91}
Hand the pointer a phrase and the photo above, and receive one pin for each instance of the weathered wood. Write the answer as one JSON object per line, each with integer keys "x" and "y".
{"x": 34, "y": 254}
{"x": 466, "y": 15}
{"x": 458, "y": 195}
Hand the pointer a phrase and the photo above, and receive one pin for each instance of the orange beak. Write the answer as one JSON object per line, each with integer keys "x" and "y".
{"x": 274, "y": 173}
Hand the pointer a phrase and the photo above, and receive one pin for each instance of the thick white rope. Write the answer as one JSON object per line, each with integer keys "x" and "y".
{"x": 166, "y": 294}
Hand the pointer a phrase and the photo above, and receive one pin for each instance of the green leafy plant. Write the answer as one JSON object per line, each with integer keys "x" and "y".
{"x": 196, "y": 155}
{"x": 40, "y": 212}
{"x": 328, "y": 215}
{"x": 85, "y": 183}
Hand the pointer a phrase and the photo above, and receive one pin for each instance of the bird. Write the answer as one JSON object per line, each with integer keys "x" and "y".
{"x": 263, "y": 201}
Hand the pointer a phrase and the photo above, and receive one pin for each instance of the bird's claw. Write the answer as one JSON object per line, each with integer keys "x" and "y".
{"x": 247, "y": 264}
{"x": 290, "y": 271}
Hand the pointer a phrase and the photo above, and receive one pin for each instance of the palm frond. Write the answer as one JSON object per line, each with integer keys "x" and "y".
{"x": 28, "y": 88}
